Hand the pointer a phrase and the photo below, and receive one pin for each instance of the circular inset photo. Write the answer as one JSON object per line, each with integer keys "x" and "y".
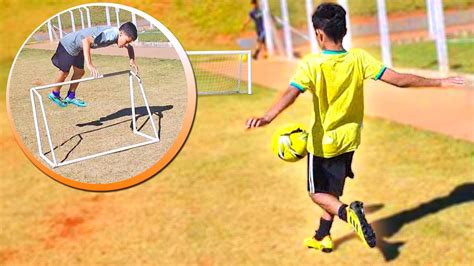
{"x": 101, "y": 97}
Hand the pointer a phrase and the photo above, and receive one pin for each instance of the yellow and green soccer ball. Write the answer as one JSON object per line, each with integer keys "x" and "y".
{"x": 289, "y": 142}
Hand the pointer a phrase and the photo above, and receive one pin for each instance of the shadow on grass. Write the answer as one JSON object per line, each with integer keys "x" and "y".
{"x": 126, "y": 112}
{"x": 139, "y": 112}
{"x": 389, "y": 226}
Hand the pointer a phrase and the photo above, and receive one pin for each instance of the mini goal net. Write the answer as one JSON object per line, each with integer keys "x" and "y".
{"x": 40, "y": 117}
{"x": 222, "y": 72}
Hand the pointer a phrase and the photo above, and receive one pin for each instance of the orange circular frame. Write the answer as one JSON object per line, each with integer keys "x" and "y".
{"x": 167, "y": 157}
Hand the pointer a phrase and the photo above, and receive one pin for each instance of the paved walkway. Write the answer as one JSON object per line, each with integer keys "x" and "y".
{"x": 448, "y": 111}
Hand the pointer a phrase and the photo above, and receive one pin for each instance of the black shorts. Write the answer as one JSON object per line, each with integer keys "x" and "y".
{"x": 327, "y": 175}
{"x": 62, "y": 60}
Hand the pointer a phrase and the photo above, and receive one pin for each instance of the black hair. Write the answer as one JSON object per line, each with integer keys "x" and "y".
{"x": 254, "y": 2}
{"x": 129, "y": 29}
{"x": 331, "y": 19}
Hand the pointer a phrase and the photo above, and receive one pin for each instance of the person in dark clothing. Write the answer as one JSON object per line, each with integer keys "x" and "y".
{"x": 256, "y": 15}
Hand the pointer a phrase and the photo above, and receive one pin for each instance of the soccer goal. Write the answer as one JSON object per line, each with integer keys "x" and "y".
{"x": 53, "y": 162}
{"x": 222, "y": 72}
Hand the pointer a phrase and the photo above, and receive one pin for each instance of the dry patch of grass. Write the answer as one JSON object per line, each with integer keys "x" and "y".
{"x": 227, "y": 200}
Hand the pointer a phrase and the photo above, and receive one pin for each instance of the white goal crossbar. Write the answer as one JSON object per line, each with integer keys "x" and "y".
{"x": 237, "y": 71}
{"x": 53, "y": 162}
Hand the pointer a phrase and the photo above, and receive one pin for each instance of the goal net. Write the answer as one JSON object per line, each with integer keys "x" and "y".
{"x": 222, "y": 72}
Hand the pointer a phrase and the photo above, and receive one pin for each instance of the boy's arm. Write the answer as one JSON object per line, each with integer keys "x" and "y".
{"x": 131, "y": 55}
{"x": 245, "y": 24}
{"x": 86, "y": 48}
{"x": 288, "y": 97}
{"x": 409, "y": 80}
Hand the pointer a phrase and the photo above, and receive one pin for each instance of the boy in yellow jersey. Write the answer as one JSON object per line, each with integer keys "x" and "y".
{"x": 335, "y": 78}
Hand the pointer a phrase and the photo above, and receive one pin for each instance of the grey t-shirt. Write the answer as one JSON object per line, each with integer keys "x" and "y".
{"x": 102, "y": 35}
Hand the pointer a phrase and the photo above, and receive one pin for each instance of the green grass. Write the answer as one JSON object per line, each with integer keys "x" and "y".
{"x": 423, "y": 55}
{"x": 97, "y": 15}
{"x": 152, "y": 36}
{"x": 364, "y": 8}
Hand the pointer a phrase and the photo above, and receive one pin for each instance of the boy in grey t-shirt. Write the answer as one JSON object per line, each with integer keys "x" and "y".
{"x": 76, "y": 46}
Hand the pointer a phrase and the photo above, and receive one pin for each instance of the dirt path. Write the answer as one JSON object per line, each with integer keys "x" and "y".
{"x": 447, "y": 111}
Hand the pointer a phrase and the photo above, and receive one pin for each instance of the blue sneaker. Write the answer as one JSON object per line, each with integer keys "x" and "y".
{"x": 57, "y": 100}
{"x": 75, "y": 101}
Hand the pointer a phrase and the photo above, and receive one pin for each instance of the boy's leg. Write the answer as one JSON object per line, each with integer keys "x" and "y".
{"x": 326, "y": 178}
{"x": 55, "y": 93}
{"x": 321, "y": 239}
{"x": 63, "y": 61}
{"x": 329, "y": 203}
{"x": 260, "y": 44}
{"x": 354, "y": 215}
{"x": 263, "y": 48}
{"x": 257, "y": 51}
{"x": 60, "y": 77}
{"x": 78, "y": 73}
{"x": 325, "y": 224}
{"x": 71, "y": 94}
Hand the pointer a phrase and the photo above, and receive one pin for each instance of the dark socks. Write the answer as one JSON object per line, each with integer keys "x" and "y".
{"x": 71, "y": 95}
{"x": 55, "y": 93}
{"x": 342, "y": 212}
{"x": 324, "y": 228}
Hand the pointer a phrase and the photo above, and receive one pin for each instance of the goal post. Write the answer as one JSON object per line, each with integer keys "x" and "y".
{"x": 222, "y": 72}
{"x": 54, "y": 162}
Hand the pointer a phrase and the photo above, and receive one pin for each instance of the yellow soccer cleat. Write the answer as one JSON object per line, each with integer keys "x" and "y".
{"x": 356, "y": 218}
{"x": 325, "y": 245}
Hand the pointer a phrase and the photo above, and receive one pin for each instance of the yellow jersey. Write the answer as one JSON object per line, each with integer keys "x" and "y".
{"x": 336, "y": 80}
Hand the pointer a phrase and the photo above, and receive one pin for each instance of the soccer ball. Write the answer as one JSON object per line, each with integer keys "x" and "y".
{"x": 289, "y": 142}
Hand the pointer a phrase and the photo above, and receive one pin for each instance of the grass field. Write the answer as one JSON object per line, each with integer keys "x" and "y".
{"x": 226, "y": 199}
{"x": 152, "y": 36}
{"x": 423, "y": 55}
{"x": 97, "y": 15}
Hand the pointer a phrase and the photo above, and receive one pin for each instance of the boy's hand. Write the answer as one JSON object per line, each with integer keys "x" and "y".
{"x": 257, "y": 122}
{"x": 93, "y": 71}
{"x": 285, "y": 100}
{"x": 452, "y": 82}
{"x": 134, "y": 66}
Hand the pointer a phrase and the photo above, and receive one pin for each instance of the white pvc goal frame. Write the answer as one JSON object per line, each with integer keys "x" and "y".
{"x": 242, "y": 53}
{"x": 54, "y": 162}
